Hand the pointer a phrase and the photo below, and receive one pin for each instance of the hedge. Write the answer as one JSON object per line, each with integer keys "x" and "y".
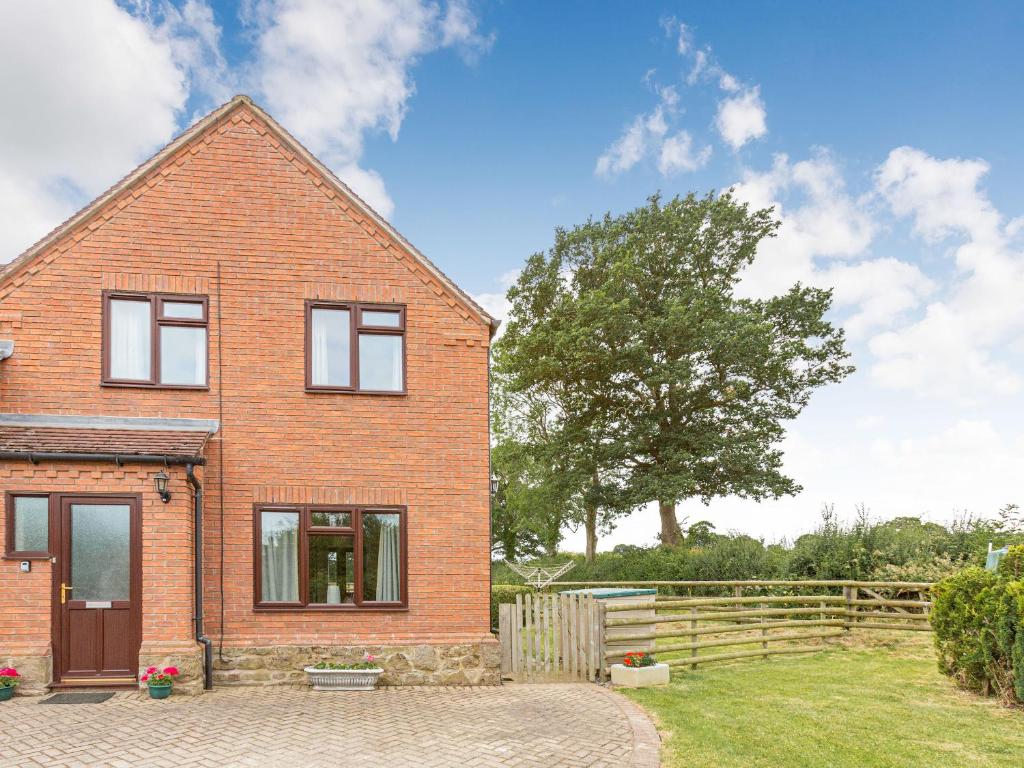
{"x": 978, "y": 618}
{"x": 505, "y": 593}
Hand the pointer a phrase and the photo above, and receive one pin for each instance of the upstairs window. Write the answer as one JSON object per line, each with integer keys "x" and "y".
{"x": 355, "y": 347}
{"x": 155, "y": 340}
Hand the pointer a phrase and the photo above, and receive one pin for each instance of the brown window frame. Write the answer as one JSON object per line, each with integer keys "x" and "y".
{"x": 157, "y": 320}
{"x": 356, "y": 327}
{"x": 307, "y": 529}
{"x": 10, "y": 553}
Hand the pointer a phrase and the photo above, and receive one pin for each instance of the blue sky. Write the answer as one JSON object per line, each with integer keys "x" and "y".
{"x": 887, "y": 135}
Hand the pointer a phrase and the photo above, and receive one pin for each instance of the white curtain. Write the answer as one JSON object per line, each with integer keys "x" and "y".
{"x": 280, "y": 561}
{"x": 129, "y": 339}
{"x": 319, "y": 350}
{"x": 388, "y": 577}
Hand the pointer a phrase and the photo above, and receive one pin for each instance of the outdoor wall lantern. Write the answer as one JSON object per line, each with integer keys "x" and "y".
{"x": 494, "y": 484}
{"x": 160, "y": 481}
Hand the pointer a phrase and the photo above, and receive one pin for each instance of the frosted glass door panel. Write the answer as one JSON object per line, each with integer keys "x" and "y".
{"x": 100, "y": 552}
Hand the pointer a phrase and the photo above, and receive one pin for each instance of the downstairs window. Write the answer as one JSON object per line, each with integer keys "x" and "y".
{"x": 330, "y": 557}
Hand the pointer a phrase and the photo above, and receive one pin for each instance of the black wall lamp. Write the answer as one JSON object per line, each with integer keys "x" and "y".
{"x": 160, "y": 481}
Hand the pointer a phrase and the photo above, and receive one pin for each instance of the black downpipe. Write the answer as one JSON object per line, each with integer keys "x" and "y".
{"x": 197, "y": 499}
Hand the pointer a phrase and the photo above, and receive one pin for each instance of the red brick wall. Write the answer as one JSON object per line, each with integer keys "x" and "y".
{"x": 236, "y": 198}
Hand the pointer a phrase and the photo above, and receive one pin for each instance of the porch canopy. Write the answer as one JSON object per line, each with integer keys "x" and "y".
{"x": 38, "y": 437}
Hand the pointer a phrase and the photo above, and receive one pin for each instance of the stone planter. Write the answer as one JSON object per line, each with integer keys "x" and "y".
{"x": 343, "y": 679}
{"x": 640, "y": 677}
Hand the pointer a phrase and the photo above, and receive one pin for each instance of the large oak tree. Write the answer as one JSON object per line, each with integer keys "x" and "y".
{"x": 671, "y": 386}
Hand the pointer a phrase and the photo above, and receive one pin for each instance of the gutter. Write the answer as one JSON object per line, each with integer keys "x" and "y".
{"x": 197, "y": 579}
{"x": 118, "y": 458}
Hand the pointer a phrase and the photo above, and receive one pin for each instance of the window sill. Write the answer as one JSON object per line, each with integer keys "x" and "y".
{"x": 35, "y": 556}
{"x": 331, "y": 609}
{"x": 333, "y": 391}
{"x": 131, "y": 385}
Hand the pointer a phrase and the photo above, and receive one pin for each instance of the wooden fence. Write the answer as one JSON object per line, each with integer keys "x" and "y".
{"x": 575, "y": 637}
{"x": 551, "y": 637}
{"x": 763, "y": 623}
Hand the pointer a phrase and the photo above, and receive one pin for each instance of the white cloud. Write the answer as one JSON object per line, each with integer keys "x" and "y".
{"x": 877, "y": 291}
{"x": 640, "y": 138}
{"x": 963, "y": 346}
{"x": 460, "y": 28}
{"x": 81, "y": 110}
{"x": 496, "y": 303}
{"x": 820, "y": 223}
{"x": 336, "y": 71}
{"x": 677, "y": 154}
{"x": 742, "y": 118}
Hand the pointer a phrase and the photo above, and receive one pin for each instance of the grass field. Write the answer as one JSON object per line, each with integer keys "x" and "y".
{"x": 878, "y": 702}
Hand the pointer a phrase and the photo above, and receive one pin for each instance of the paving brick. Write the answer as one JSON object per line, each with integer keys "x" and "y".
{"x": 549, "y": 726}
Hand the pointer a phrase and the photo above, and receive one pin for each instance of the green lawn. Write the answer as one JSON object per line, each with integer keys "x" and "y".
{"x": 853, "y": 707}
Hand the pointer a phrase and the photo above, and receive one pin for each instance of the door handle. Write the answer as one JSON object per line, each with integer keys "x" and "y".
{"x": 64, "y": 589}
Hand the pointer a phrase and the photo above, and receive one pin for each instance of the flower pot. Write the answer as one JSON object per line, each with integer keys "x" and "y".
{"x": 343, "y": 679}
{"x": 640, "y": 677}
{"x": 159, "y": 691}
{"x": 6, "y": 693}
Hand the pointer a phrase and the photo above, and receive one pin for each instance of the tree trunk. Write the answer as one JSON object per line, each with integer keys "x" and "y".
{"x": 671, "y": 534}
{"x": 591, "y": 526}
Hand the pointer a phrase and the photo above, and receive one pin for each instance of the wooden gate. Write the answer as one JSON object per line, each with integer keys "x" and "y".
{"x": 548, "y": 638}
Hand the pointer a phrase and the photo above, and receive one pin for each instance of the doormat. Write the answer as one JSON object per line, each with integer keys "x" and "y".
{"x": 77, "y": 698}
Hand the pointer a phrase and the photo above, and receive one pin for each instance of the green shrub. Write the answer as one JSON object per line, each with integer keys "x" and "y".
{"x": 978, "y": 618}
{"x": 505, "y": 593}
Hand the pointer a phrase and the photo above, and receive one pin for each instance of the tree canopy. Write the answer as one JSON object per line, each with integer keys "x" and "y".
{"x": 665, "y": 383}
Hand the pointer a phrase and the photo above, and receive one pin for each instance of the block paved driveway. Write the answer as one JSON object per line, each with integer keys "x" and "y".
{"x": 554, "y": 726}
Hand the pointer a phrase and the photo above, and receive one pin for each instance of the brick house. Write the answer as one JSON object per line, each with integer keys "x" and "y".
{"x": 229, "y": 383}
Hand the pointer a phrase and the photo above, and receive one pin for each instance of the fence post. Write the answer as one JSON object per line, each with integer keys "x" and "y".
{"x": 693, "y": 636}
{"x": 849, "y": 593}
{"x": 517, "y": 625}
{"x": 602, "y": 610}
{"x": 764, "y": 632}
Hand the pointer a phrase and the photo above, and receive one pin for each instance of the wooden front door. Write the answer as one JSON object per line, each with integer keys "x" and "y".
{"x": 98, "y": 593}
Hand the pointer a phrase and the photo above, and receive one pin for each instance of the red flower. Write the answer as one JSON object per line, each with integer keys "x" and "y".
{"x": 172, "y": 671}
{"x": 150, "y": 670}
{"x": 145, "y": 678}
{"x": 9, "y": 672}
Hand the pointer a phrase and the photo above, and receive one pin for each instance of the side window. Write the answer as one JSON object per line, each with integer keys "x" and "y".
{"x": 354, "y": 347}
{"x": 28, "y": 525}
{"x": 155, "y": 340}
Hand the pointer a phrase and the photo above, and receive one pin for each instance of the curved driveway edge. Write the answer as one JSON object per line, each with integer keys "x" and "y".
{"x": 646, "y": 741}
{"x": 579, "y": 725}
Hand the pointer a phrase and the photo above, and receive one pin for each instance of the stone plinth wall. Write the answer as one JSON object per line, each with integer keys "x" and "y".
{"x": 422, "y": 664}
{"x": 36, "y": 673}
{"x": 188, "y": 658}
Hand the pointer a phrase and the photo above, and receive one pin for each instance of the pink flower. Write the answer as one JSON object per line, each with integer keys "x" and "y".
{"x": 150, "y": 670}
{"x": 145, "y": 678}
{"x": 172, "y": 671}
{"x": 9, "y": 672}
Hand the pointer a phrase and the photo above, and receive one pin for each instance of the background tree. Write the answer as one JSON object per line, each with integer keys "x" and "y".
{"x": 543, "y": 405}
{"x": 677, "y": 387}
{"x": 533, "y": 503}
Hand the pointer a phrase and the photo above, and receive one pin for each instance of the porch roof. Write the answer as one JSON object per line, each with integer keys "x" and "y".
{"x": 123, "y": 437}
